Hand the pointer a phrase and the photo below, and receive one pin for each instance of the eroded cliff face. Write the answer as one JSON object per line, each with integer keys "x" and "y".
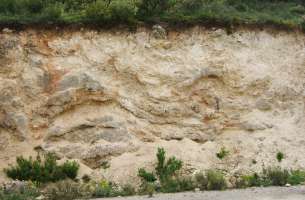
{"x": 115, "y": 96}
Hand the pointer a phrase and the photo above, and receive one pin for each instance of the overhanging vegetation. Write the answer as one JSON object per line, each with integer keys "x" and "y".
{"x": 281, "y": 13}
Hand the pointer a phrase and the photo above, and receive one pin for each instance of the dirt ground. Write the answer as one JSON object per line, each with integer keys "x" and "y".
{"x": 271, "y": 193}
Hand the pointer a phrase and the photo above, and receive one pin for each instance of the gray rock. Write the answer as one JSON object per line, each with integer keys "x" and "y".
{"x": 263, "y": 105}
{"x": 211, "y": 72}
{"x": 159, "y": 32}
{"x": 7, "y": 30}
{"x": 7, "y": 44}
{"x": 61, "y": 98}
{"x": 199, "y": 137}
{"x": 82, "y": 80}
{"x": 255, "y": 126}
{"x": 35, "y": 80}
{"x": 18, "y": 123}
{"x": 15, "y": 186}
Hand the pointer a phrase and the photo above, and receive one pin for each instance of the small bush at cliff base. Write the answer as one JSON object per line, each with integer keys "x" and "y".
{"x": 66, "y": 190}
{"x": 277, "y": 176}
{"x": 296, "y": 177}
{"x": 216, "y": 180}
{"x": 146, "y": 176}
{"x": 70, "y": 169}
{"x": 28, "y": 192}
{"x": 166, "y": 174}
{"x": 253, "y": 180}
{"x": 211, "y": 180}
{"x": 42, "y": 171}
{"x": 274, "y": 177}
{"x": 109, "y": 189}
{"x": 166, "y": 169}
{"x": 201, "y": 181}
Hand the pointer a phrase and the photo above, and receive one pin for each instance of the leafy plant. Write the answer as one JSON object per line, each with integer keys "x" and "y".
{"x": 274, "y": 176}
{"x": 123, "y": 11}
{"x": 216, "y": 180}
{"x": 98, "y": 12}
{"x": 42, "y": 170}
{"x": 277, "y": 176}
{"x": 66, "y": 190}
{"x": 146, "y": 176}
{"x": 166, "y": 169}
{"x": 201, "y": 181}
{"x": 279, "y": 156}
{"x": 29, "y": 192}
{"x": 296, "y": 177}
{"x": 127, "y": 190}
{"x": 166, "y": 173}
{"x": 253, "y": 180}
{"x": 211, "y": 180}
{"x": 149, "y": 8}
{"x": 223, "y": 153}
{"x": 106, "y": 189}
{"x": 70, "y": 169}
{"x": 287, "y": 14}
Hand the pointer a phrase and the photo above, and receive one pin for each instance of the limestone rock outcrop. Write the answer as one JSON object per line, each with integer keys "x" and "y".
{"x": 115, "y": 96}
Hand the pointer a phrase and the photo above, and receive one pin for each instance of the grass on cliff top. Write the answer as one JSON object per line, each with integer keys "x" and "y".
{"x": 282, "y": 13}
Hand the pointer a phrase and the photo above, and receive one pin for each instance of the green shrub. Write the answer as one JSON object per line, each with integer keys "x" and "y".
{"x": 279, "y": 156}
{"x": 166, "y": 169}
{"x": 166, "y": 172}
{"x": 52, "y": 13}
{"x": 186, "y": 184}
{"x": 299, "y": 9}
{"x": 170, "y": 186}
{"x": 201, "y": 181}
{"x": 274, "y": 176}
{"x": 106, "y": 189}
{"x": 123, "y": 11}
{"x": 148, "y": 8}
{"x": 127, "y": 190}
{"x": 241, "y": 183}
{"x": 42, "y": 171}
{"x": 98, "y": 12}
{"x": 277, "y": 176}
{"x": 70, "y": 169}
{"x": 147, "y": 188}
{"x": 211, "y": 180}
{"x": 190, "y": 5}
{"x": 296, "y": 177}
{"x": 216, "y": 180}
{"x": 253, "y": 180}
{"x": 11, "y": 6}
{"x": 287, "y": 14}
{"x": 179, "y": 184}
{"x": 223, "y": 153}
{"x": 28, "y": 192}
{"x": 146, "y": 176}
{"x": 66, "y": 190}
{"x": 34, "y": 6}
